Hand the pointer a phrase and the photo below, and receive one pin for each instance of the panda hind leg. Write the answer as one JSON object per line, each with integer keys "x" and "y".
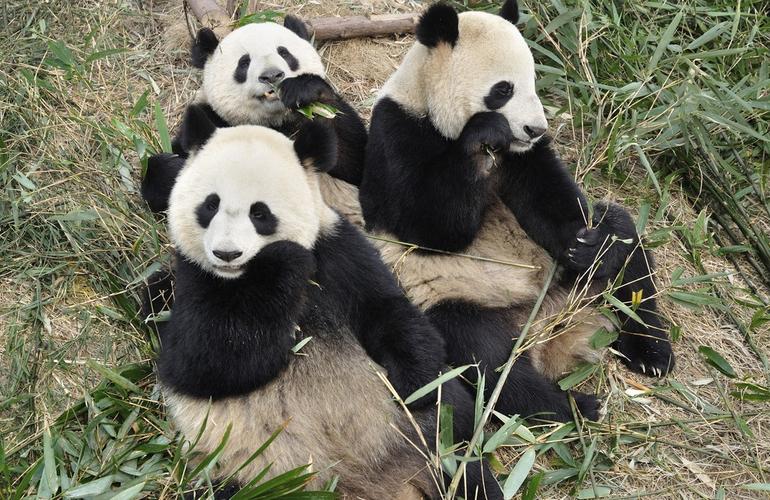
{"x": 473, "y": 333}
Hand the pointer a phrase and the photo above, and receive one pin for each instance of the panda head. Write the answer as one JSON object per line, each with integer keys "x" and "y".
{"x": 468, "y": 63}
{"x": 242, "y": 71}
{"x": 248, "y": 186}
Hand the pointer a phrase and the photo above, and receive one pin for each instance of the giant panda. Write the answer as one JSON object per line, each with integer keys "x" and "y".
{"x": 264, "y": 263}
{"x": 458, "y": 161}
{"x": 241, "y": 74}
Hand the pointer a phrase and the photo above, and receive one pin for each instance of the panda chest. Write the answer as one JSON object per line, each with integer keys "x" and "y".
{"x": 502, "y": 266}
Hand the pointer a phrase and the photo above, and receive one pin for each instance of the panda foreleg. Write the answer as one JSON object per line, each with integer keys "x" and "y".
{"x": 306, "y": 89}
{"x": 476, "y": 334}
{"x": 159, "y": 179}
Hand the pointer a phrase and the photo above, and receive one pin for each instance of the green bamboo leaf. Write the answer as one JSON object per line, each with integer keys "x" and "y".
{"x": 618, "y": 304}
{"x": 113, "y": 377}
{"x": 717, "y": 361}
{"x": 432, "y": 386}
{"x": 581, "y": 373}
{"x": 533, "y": 484}
{"x": 162, "y": 126}
{"x": 519, "y": 473}
{"x": 665, "y": 40}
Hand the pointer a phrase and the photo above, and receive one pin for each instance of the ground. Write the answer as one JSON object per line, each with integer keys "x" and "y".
{"x": 86, "y": 86}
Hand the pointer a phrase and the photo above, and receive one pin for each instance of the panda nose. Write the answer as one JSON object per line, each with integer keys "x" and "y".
{"x": 534, "y": 132}
{"x": 227, "y": 256}
{"x": 272, "y": 75}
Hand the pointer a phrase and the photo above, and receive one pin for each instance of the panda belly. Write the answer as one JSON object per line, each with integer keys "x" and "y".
{"x": 338, "y": 416}
{"x": 501, "y": 268}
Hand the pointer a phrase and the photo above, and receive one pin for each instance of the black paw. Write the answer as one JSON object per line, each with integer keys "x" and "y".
{"x": 486, "y": 130}
{"x": 607, "y": 245}
{"x": 587, "y": 405}
{"x": 646, "y": 350}
{"x": 306, "y": 89}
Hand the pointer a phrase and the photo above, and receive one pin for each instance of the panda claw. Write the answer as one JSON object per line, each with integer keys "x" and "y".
{"x": 582, "y": 240}
{"x": 644, "y": 368}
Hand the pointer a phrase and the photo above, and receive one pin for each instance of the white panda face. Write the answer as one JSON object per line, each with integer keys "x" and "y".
{"x": 240, "y": 76}
{"x": 489, "y": 68}
{"x": 244, "y": 189}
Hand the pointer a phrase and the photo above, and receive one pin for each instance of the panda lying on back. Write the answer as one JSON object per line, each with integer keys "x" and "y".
{"x": 468, "y": 86}
{"x": 240, "y": 77}
{"x": 263, "y": 263}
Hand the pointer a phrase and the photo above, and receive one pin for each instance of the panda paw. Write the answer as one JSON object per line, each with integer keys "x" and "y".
{"x": 588, "y": 405}
{"x": 484, "y": 130}
{"x": 645, "y": 349}
{"x": 599, "y": 248}
{"x": 302, "y": 90}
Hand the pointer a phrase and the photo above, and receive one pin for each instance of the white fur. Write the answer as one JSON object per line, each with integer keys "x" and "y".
{"x": 244, "y": 165}
{"x": 449, "y": 84}
{"x": 241, "y": 103}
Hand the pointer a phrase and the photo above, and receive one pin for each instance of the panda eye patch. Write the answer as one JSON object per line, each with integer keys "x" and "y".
{"x": 207, "y": 210}
{"x": 263, "y": 219}
{"x": 499, "y": 94}
{"x": 242, "y": 70}
{"x": 289, "y": 58}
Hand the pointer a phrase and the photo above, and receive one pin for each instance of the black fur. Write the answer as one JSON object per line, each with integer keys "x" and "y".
{"x": 477, "y": 334}
{"x": 423, "y": 187}
{"x": 316, "y": 146}
{"x": 203, "y": 47}
{"x": 157, "y": 182}
{"x": 229, "y": 337}
{"x": 428, "y": 190}
{"x": 392, "y": 330}
{"x": 510, "y": 11}
{"x": 438, "y": 24}
{"x": 297, "y": 25}
{"x": 242, "y": 69}
{"x": 198, "y": 125}
{"x": 289, "y": 58}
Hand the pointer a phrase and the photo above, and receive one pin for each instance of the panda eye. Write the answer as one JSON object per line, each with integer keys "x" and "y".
{"x": 504, "y": 89}
{"x": 263, "y": 220}
{"x": 259, "y": 211}
{"x": 212, "y": 202}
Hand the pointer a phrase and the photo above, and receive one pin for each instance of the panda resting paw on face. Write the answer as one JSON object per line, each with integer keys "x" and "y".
{"x": 458, "y": 160}
{"x": 260, "y": 74}
{"x": 263, "y": 263}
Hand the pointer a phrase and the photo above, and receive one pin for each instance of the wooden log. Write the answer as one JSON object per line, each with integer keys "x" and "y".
{"x": 213, "y": 15}
{"x": 339, "y": 28}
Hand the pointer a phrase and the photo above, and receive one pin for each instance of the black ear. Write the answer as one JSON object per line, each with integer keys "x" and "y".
{"x": 296, "y": 25}
{"x": 197, "y": 127}
{"x": 438, "y": 24}
{"x": 316, "y": 146}
{"x": 203, "y": 47}
{"x": 510, "y": 11}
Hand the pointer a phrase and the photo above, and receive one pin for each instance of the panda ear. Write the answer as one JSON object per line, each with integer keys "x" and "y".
{"x": 297, "y": 25}
{"x": 203, "y": 47}
{"x": 316, "y": 146}
{"x": 438, "y": 24}
{"x": 510, "y": 11}
{"x": 197, "y": 127}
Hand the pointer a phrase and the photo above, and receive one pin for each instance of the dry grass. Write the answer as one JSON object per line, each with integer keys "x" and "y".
{"x": 75, "y": 238}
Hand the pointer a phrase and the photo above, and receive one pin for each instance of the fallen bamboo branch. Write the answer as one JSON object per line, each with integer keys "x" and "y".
{"x": 211, "y": 14}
